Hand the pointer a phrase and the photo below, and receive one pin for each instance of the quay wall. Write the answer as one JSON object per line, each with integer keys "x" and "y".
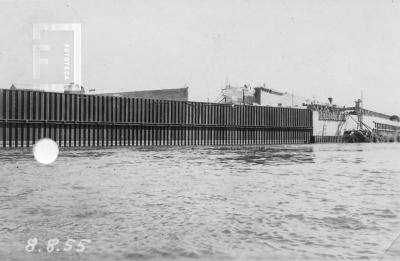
{"x": 94, "y": 120}
{"x": 327, "y": 139}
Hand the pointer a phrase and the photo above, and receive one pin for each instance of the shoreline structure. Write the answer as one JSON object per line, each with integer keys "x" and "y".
{"x": 242, "y": 116}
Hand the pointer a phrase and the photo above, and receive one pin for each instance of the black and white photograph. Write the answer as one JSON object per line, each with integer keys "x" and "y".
{"x": 199, "y": 130}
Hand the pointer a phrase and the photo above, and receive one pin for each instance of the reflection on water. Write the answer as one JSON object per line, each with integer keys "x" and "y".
{"x": 272, "y": 202}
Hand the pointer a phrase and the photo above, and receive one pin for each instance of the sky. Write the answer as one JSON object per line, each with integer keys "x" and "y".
{"x": 320, "y": 49}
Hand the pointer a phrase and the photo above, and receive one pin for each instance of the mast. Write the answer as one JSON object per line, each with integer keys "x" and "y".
{"x": 359, "y": 110}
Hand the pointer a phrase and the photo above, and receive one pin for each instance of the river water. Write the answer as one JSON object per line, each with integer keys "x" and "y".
{"x": 327, "y": 201}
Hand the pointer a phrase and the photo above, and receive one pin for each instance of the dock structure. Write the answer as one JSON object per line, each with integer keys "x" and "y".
{"x": 328, "y": 139}
{"x": 92, "y": 120}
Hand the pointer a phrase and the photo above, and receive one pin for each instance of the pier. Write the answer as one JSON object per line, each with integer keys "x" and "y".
{"x": 92, "y": 120}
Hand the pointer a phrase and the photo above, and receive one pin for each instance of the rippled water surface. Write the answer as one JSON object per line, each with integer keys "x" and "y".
{"x": 335, "y": 201}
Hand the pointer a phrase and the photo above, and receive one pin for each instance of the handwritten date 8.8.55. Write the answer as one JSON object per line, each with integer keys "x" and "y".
{"x": 55, "y": 245}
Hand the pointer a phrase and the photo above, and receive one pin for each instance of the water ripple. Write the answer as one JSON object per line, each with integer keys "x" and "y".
{"x": 337, "y": 201}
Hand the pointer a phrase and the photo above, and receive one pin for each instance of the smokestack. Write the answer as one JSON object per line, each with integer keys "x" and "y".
{"x": 330, "y": 100}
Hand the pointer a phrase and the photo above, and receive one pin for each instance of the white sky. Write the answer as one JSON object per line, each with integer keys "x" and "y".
{"x": 314, "y": 48}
